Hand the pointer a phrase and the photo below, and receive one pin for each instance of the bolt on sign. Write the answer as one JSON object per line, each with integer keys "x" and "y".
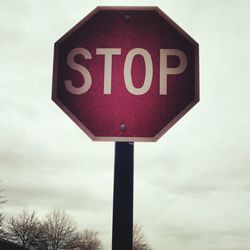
{"x": 126, "y": 73}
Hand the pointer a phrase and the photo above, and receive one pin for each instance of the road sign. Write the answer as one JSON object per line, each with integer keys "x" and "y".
{"x": 126, "y": 73}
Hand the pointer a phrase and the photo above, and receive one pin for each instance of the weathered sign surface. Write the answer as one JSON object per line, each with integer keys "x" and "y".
{"x": 126, "y": 73}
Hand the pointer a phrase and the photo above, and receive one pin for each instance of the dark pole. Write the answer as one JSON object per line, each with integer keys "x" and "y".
{"x": 122, "y": 237}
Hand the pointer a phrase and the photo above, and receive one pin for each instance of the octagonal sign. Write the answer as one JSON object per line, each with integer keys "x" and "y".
{"x": 126, "y": 73}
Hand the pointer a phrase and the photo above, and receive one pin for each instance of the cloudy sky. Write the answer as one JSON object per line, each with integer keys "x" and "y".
{"x": 192, "y": 187}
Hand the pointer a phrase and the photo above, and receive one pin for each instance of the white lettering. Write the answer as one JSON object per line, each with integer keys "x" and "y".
{"x": 81, "y": 69}
{"x": 108, "y": 53}
{"x": 148, "y": 71}
{"x": 165, "y": 71}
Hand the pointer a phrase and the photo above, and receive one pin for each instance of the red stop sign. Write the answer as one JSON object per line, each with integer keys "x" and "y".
{"x": 126, "y": 74}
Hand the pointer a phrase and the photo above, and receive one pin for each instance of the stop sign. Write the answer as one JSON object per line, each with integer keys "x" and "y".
{"x": 126, "y": 73}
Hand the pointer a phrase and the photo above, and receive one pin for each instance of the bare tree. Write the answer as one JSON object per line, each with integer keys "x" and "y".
{"x": 1, "y": 226}
{"x": 88, "y": 240}
{"x": 59, "y": 231}
{"x": 139, "y": 242}
{"x": 2, "y": 197}
{"x": 24, "y": 228}
{"x": 2, "y": 201}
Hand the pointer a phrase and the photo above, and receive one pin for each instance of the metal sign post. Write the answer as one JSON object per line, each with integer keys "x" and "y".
{"x": 122, "y": 236}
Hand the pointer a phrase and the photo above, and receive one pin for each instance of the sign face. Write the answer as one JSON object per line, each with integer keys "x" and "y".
{"x": 126, "y": 73}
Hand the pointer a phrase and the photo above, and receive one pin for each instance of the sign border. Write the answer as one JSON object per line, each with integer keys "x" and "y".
{"x": 125, "y": 139}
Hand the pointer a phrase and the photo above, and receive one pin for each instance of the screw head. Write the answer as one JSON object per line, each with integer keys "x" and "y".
{"x": 123, "y": 127}
{"x": 127, "y": 17}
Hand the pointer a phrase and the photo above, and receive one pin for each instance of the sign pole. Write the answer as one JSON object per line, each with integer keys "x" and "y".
{"x": 122, "y": 235}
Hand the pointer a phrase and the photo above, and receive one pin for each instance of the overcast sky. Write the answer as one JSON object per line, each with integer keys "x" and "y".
{"x": 192, "y": 187}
